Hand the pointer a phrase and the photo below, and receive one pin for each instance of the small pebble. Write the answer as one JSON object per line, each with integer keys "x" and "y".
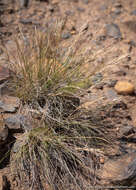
{"x": 66, "y": 35}
{"x": 124, "y": 88}
{"x": 113, "y": 30}
{"x": 133, "y": 12}
{"x": 102, "y": 160}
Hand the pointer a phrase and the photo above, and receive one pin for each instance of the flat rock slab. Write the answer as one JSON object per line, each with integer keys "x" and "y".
{"x": 18, "y": 121}
{"x": 5, "y": 74}
{"x": 121, "y": 171}
{"x": 9, "y": 104}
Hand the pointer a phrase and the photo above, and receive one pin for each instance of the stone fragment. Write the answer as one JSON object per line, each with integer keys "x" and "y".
{"x": 18, "y": 121}
{"x": 126, "y": 130}
{"x": 124, "y": 87}
{"x": 111, "y": 94}
{"x": 4, "y": 184}
{"x": 97, "y": 78}
{"x": 4, "y": 74}
{"x": 9, "y": 104}
{"x": 19, "y": 143}
{"x": 26, "y": 21}
{"x": 111, "y": 83}
{"x": 24, "y": 3}
{"x": 133, "y": 12}
{"x": 13, "y": 122}
{"x": 3, "y": 132}
{"x": 113, "y": 30}
{"x": 66, "y": 35}
{"x": 121, "y": 171}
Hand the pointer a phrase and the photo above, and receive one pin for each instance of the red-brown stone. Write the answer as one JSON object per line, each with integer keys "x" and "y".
{"x": 4, "y": 73}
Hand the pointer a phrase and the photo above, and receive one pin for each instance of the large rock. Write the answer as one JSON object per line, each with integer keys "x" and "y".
{"x": 18, "y": 122}
{"x": 124, "y": 87}
{"x": 9, "y": 104}
{"x": 121, "y": 171}
{"x": 5, "y": 74}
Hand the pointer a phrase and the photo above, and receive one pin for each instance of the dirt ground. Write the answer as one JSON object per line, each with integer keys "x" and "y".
{"x": 112, "y": 47}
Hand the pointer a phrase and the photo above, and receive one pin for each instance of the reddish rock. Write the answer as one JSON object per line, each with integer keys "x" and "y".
{"x": 5, "y": 74}
{"x": 124, "y": 87}
{"x": 3, "y": 132}
{"x": 120, "y": 171}
{"x": 4, "y": 184}
{"x": 9, "y": 104}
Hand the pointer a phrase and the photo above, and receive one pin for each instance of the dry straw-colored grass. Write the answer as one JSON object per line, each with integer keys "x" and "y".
{"x": 43, "y": 69}
{"x": 57, "y": 157}
{"x": 55, "y": 154}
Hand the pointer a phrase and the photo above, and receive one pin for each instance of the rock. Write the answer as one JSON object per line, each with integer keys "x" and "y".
{"x": 9, "y": 104}
{"x": 19, "y": 143}
{"x": 69, "y": 12}
{"x": 13, "y": 122}
{"x": 4, "y": 184}
{"x": 24, "y": 3}
{"x": 113, "y": 30}
{"x": 124, "y": 87}
{"x": 121, "y": 171}
{"x": 131, "y": 44}
{"x": 120, "y": 73}
{"x": 130, "y": 138}
{"x": 100, "y": 86}
{"x": 5, "y": 74}
{"x": 6, "y": 108}
{"x": 80, "y": 9}
{"x": 111, "y": 94}
{"x": 66, "y": 35}
{"x": 25, "y": 123}
{"x": 85, "y": 1}
{"x": 3, "y": 132}
{"x": 111, "y": 83}
{"x": 51, "y": 8}
{"x": 133, "y": 12}
{"x": 117, "y": 11}
{"x": 18, "y": 121}
{"x": 97, "y": 78}
{"x": 118, "y": 5}
{"x": 102, "y": 160}
{"x": 126, "y": 130}
{"x": 26, "y": 21}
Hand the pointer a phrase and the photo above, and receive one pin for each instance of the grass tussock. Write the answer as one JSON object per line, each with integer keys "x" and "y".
{"x": 42, "y": 69}
{"x": 57, "y": 158}
{"x": 54, "y": 154}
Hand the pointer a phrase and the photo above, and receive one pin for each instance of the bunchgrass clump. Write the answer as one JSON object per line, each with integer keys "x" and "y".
{"x": 43, "y": 69}
{"x": 57, "y": 157}
{"x": 56, "y": 154}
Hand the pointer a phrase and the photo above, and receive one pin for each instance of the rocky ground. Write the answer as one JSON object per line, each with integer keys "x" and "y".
{"x": 108, "y": 32}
